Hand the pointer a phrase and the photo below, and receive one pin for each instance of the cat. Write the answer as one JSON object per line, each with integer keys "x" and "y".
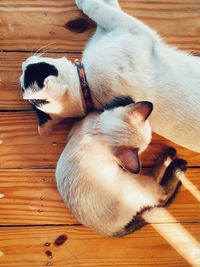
{"x": 98, "y": 175}
{"x": 124, "y": 57}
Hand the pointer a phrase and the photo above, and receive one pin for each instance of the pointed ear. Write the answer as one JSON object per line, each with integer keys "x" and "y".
{"x": 128, "y": 159}
{"x": 140, "y": 111}
{"x": 29, "y": 94}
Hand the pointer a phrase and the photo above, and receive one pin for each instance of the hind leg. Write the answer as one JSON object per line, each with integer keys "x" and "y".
{"x": 100, "y": 31}
{"x": 110, "y": 18}
{"x": 105, "y": 15}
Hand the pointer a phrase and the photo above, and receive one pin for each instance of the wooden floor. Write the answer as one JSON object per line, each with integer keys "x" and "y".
{"x": 35, "y": 227}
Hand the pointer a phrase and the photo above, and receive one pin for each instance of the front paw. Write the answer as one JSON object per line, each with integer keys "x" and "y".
{"x": 172, "y": 179}
{"x": 79, "y": 3}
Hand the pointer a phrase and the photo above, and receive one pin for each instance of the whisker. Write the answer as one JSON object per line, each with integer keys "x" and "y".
{"x": 41, "y": 50}
{"x": 14, "y": 82}
{"x": 44, "y": 52}
{"x": 32, "y": 51}
{"x": 15, "y": 85}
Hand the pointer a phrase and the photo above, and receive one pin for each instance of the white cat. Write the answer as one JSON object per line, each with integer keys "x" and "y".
{"x": 124, "y": 57}
{"x": 92, "y": 175}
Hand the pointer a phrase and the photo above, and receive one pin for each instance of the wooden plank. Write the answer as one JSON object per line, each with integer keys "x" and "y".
{"x": 22, "y": 147}
{"x": 10, "y": 71}
{"x": 25, "y": 247}
{"x": 30, "y": 197}
{"x": 177, "y": 21}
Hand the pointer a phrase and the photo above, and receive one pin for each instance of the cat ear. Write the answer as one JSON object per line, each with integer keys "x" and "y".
{"x": 29, "y": 94}
{"x": 140, "y": 111}
{"x": 128, "y": 159}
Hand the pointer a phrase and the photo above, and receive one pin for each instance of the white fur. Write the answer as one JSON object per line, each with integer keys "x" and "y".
{"x": 126, "y": 57}
{"x": 57, "y": 90}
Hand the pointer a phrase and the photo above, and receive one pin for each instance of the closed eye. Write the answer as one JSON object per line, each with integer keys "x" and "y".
{"x": 38, "y": 102}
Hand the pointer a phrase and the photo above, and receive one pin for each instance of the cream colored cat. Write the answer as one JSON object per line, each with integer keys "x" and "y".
{"x": 98, "y": 172}
{"x": 124, "y": 57}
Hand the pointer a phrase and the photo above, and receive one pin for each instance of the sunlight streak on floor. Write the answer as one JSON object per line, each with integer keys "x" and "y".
{"x": 176, "y": 235}
{"x": 190, "y": 187}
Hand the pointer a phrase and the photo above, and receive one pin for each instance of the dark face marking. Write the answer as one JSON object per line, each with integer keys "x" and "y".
{"x": 42, "y": 116}
{"x": 37, "y": 73}
{"x": 120, "y": 101}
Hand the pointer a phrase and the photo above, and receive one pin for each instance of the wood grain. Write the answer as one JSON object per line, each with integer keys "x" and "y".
{"x": 22, "y": 147}
{"x": 30, "y": 197}
{"x": 174, "y": 20}
{"x": 10, "y": 71}
{"x": 31, "y": 210}
{"x": 25, "y": 247}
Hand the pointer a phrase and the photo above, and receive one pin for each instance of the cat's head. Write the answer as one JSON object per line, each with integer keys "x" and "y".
{"x": 47, "y": 83}
{"x": 126, "y": 130}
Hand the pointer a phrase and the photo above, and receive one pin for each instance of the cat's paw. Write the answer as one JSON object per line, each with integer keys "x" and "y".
{"x": 170, "y": 152}
{"x": 162, "y": 162}
{"x": 174, "y": 171}
{"x": 172, "y": 179}
{"x": 167, "y": 156}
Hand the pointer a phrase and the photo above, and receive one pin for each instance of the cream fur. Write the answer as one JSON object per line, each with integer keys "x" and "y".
{"x": 99, "y": 193}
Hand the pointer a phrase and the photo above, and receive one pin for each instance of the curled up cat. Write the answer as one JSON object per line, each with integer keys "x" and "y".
{"x": 98, "y": 173}
{"x": 124, "y": 57}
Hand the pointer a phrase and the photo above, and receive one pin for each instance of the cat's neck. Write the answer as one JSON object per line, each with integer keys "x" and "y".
{"x": 74, "y": 90}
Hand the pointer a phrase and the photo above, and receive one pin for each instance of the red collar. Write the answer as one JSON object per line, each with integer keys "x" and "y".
{"x": 84, "y": 86}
